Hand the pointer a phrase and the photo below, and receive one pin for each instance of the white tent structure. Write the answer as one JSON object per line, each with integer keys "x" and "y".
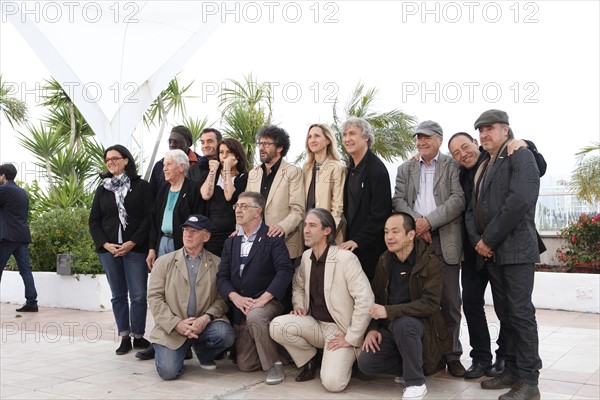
{"x": 113, "y": 58}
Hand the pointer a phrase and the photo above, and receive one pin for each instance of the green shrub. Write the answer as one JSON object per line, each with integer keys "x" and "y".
{"x": 63, "y": 231}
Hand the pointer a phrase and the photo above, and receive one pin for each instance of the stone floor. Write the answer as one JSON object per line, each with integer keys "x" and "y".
{"x": 69, "y": 354}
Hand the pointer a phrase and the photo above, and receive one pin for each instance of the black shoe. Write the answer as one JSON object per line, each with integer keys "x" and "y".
{"x": 456, "y": 368}
{"x": 146, "y": 354}
{"x": 188, "y": 354}
{"x": 28, "y": 308}
{"x": 476, "y": 370}
{"x": 141, "y": 343}
{"x": 522, "y": 391}
{"x": 125, "y": 347}
{"x": 496, "y": 369}
{"x": 504, "y": 381}
{"x": 308, "y": 372}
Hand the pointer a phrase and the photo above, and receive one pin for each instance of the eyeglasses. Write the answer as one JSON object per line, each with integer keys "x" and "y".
{"x": 112, "y": 159}
{"x": 191, "y": 231}
{"x": 264, "y": 144}
{"x": 174, "y": 141}
{"x": 243, "y": 206}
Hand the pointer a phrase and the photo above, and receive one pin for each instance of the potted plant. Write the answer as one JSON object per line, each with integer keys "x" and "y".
{"x": 582, "y": 254}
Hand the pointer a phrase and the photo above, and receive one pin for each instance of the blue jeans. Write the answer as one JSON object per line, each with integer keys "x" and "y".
{"x": 127, "y": 275}
{"x": 21, "y": 253}
{"x": 165, "y": 246}
{"x": 215, "y": 339}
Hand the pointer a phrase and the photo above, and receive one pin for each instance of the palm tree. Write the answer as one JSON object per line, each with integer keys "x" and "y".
{"x": 64, "y": 115}
{"x": 393, "y": 129}
{"x": 13, "y": 109}
{"x": 170, "y": 99}
{"x": 246, "y": 107}
{"x": 585, "y": 178}
{"x": 64, "y": 147}
{"x": 195, "y": 125}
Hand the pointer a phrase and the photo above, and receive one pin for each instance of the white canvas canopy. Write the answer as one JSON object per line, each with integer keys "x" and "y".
{"x": 112, "y": 58}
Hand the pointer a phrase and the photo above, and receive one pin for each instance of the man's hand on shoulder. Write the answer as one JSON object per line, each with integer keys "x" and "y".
{"x": 350, "y": 245}
{"x": 275, "y": 230}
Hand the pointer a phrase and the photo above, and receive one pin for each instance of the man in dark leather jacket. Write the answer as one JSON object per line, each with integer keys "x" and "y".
{"x": 407, "y": 335}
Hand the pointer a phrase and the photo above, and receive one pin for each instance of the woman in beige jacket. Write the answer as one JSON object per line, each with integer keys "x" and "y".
{"x": 324, "y": 175}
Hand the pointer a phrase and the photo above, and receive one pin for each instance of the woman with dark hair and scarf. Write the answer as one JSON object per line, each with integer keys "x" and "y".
{"x": 119, "y": 224}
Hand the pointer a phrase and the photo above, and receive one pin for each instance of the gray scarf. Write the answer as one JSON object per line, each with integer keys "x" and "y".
{"x": 119, "y": 185}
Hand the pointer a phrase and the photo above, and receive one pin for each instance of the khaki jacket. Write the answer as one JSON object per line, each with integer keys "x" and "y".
{"x": 285, "y": 204}
{"x": 348, "y": 294}
{"x": 329, "y": 192}
{"x": 169, "y": 292}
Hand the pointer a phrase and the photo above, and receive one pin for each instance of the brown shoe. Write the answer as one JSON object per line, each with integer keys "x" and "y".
{"x": 504, "y": 381}
{"x": 308, "y": 372}
{"x": 456, "y": 368}
{"x": 522, "y": 391}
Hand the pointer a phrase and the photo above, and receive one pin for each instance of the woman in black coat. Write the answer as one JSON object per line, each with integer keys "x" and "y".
{"x": 119, "y": 223}
{"x": 220, "y": 188}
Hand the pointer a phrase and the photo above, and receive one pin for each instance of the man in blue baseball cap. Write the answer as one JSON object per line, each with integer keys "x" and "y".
{"x": 186, "y": 305}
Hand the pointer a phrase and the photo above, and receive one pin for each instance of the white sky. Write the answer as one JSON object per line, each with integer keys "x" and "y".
{"x": 446, "y": 64}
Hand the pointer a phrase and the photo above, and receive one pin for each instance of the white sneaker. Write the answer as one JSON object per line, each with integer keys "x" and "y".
{"x": 414, "y": 392}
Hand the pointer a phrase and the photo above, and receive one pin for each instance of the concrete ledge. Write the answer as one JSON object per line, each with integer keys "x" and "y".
{"x": 79, "y": 292}
{"x": 563, "y": 291}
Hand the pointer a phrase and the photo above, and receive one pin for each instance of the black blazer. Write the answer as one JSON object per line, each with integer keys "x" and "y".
{"x": 507, "y": 209}
{"x": 365, "y": 227}
{"x": 14, "y": 206}
{"x": 268, "y": 269}
{"x": 189, "y": 202}
{"x": 104, "y": 216}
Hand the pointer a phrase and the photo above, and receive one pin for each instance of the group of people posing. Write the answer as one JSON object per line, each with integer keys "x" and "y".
{"x": 320, "y": 264}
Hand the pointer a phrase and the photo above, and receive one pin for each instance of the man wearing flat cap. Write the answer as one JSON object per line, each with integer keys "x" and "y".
{"x": 500, "y": 224}
{"x": 187, "y": 307}
{"x": 429, "y": 190}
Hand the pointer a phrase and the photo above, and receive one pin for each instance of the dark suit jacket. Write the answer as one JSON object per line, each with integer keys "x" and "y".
{"x": 104, "y": 216}
{"x": 188, "y": 202}
{"x": 365, "y": 227}
{"x": 467, "y": 177}
{"x": 506, "y": 211}
{"x": 14, "y": 206}
{"x": 268, "y": 269}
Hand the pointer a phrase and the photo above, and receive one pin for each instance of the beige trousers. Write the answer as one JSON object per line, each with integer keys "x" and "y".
{"x": 302, "y": 335}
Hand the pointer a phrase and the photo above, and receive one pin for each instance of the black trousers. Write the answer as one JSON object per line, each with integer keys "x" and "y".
{"x": 512, "y": 286}
{"x": 401, "y": 352}
{"x": 474, "y": 284}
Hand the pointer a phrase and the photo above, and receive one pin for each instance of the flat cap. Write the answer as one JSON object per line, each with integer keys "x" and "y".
{"x": 429, "y": 128}
{"x": 491, "y": 117}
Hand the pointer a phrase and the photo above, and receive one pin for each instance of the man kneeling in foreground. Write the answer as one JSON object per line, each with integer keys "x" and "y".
{"x": 331, "y": 299}
{"x": 186, "y": 305}
{"x": 407, "y": 335}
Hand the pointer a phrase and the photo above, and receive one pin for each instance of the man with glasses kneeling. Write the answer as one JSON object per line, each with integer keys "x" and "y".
{"x": 254, "y": 274}
{"x": 187, "y": 308}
